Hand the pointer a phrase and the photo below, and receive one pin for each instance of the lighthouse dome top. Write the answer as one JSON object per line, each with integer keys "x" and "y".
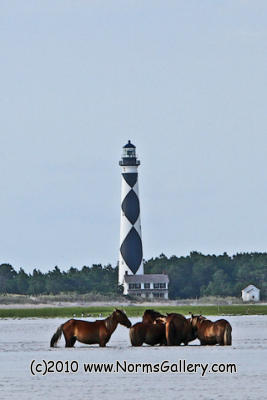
{"x": 129, "y": 145}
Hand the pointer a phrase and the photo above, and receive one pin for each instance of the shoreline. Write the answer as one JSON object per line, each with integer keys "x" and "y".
{"x": 133, "y": 310}
{"x": 117, "y": 304}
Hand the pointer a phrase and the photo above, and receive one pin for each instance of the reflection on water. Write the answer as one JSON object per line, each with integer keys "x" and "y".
{"x": 24, "y": 340}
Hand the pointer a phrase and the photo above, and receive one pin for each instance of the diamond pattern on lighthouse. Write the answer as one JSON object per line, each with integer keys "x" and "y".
{"x": 131, "y": 250}
{"x": 131, "y": 178}
{"x": 130, "y": 206}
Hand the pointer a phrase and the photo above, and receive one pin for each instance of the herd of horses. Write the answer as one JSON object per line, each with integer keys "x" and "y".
{"x": 155, "y": 328}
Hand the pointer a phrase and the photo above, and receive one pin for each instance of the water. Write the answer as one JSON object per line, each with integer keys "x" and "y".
{"x": 25, "y": 340}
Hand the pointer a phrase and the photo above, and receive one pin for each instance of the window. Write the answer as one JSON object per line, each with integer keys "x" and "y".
{"x": 162, "y": 285}
{"x": 155, "y": 294}
{"x": 134, "y": 285}
{"x": 130, "y": 153}
{"x": 161, "y": 295}
{"x": 156, "y": 285}
{"x": 147, "y": 285}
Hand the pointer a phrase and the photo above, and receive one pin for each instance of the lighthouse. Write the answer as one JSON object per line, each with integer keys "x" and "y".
{"x": 131, "y": 269}
{"x": 131, "y": 249}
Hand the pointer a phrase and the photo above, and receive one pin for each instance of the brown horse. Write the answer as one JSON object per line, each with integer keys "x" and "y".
{"x": 210, "y": 333}
{"x": 147, "y": 333}
{"x": 99, "y": 331}
{"x": 178, "y": 329}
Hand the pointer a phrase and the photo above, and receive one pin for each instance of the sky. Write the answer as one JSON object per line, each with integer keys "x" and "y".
{"x": 184, "y": 80}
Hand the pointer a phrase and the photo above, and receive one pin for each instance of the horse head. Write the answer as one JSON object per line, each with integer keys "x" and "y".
{"x": 150, "y": 316}
{"x": 122, "y": 318}
{"x": 195, "y": 320}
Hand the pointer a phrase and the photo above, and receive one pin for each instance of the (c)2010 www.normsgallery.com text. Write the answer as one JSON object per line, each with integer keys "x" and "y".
{"x": 43, "y": 367}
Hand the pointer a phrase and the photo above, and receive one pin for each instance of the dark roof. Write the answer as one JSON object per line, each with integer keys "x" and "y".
{"x": 249, "y": 288}
{"x": 129, "y": 145}
{"x": 148, "y": 278}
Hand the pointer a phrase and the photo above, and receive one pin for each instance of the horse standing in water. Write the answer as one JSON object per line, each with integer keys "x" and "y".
{"x": 211, "y": 333}
{"x": 148, "y": 331}
{"x": 98, "y": 332}
{"x": 178, "y": 329}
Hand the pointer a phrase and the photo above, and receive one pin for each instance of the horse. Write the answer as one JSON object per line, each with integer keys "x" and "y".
{"x": 178, "y": 329}
{"x": 97, "y": 332}
{"x": 150, "y": 316}
{"x": 211, "y": 333}
{"x": 149, "y": 333}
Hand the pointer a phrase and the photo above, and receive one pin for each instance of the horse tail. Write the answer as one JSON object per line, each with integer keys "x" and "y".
{"x": 170, "y": 333}
{"x": 227, "y": 336}
{"x": 55, "y": 338}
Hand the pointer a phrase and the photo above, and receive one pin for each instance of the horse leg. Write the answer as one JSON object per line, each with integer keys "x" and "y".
{"x": 137, "y": 342}
{"x": 103, "y": 340}
{"x": 68, "y": 331}
{"x": 70, "y": 341}
{"x": 68, "y": 338}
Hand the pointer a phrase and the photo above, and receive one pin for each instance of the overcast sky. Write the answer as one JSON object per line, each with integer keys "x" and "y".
{"x": 184, "y": 80}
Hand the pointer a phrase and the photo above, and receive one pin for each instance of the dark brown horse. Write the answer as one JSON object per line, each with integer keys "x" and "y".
{"x": 98, "y": 332}
{"x": 178, "y": 329}
{"x": 210, "y": 333}
{"x": 148, "y": 331}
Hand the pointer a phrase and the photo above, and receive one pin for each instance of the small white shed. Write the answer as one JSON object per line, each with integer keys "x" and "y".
{"x": 251, "y": 293}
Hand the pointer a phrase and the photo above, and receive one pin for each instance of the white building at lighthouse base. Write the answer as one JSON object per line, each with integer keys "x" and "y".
{"x": 149, "y": 286}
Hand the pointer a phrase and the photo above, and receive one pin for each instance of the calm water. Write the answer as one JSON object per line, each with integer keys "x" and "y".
{"x": 25, "y": 340}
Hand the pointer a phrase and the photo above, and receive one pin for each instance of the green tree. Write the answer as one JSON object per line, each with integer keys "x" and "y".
{"x": 7, "y": 279}
{"x": 22, "y": 282}
{"x": 37, "y": 283}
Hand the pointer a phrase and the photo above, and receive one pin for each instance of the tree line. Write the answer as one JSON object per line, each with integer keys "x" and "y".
{"x": 200, "y": 275}
{"x": 97, "y": 279}
{"x": 195, "y": 275}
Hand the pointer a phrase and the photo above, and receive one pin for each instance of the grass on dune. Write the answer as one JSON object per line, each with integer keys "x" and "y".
{"x": 131, "y": 311}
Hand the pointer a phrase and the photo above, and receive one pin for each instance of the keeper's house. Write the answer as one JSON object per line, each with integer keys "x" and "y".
{"x": 251, "y": 293}
{"x": 150, "y": 286}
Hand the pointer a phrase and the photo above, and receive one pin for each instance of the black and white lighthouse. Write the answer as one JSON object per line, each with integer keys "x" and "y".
{"x": 131, "y": 249}
{"x": 131, "y": 269}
